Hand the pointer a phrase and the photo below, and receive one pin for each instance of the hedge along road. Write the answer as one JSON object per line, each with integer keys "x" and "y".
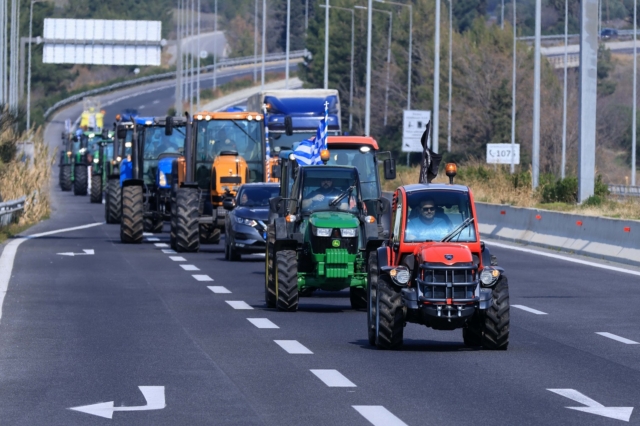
{"x": 82, "y": 330}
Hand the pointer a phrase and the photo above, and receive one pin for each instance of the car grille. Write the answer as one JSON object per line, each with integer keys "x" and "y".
{"x": 448, "y": 283}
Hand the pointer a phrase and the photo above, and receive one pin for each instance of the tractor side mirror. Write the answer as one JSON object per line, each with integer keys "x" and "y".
{"x": 105, "y": 134}
{"x": 122, "y": 133}
{"x": 275, "y": 204}
{"x": 389, "y": 169}
{"x": 229, "y": 203}
{"x": 288, "y": 125}
{"x": 276, "y": 171}
{"x": 168, "y": 126}
{"x": 482, "y": 246}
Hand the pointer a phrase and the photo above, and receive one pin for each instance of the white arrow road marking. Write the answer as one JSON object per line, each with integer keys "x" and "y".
{"x": 526, "y": 308}
{"x": 168, "y": 251}
{"x": 190, "y": 267}
{"x": 218, "y": 289}
{"x": 202, "y": 277}
{"x": 333, "y": 379}
{"x": 154, "y": 395}
{"x": 238, "y": 304}
{"x": 161, "y": 245}
{"x": 155, "y": 102}
{"x": 177, "y": 258}
{"x": 87, "y": 252}
{"x": 378, "y": 415}
{"x": 594, "y": 407}
{"x": 262, "y": 323}
{"x": 293, "y": 347}
{"x": 618, "y": 338}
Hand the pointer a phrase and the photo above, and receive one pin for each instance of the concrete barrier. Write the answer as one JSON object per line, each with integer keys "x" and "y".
{"x": 604, "y": 238}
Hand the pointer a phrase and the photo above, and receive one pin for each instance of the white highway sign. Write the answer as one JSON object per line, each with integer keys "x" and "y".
{"x": 500, "y": 153}
{"x": 414, "y": 123}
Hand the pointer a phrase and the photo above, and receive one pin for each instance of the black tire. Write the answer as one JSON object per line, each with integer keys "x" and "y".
{"x": 389, "y": 315}
{"x": 131, "y": 225}
{"x": 96, "y": 189}
{"x": 80, "y": 180}
{"x": 287, "y": 280}
{"x": 187, "y": 226}
{"x": 231, "y": 253}
{"x": 358, "y": 298}
{"x": 372, "y": 287}
{"x": 269, "y": 285}
{"x": 496, "y": 318}
{"x": 173, "y": 224}
{"x": 472, "y": 333}
{"x": 112, "y": 207}
{"x": 153, "y": 225}
{"x": 209, "y": 234}
{"x": 65, "y": 177}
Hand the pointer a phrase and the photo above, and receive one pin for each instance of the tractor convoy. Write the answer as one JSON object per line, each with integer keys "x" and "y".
{"x": 413, "y": 256}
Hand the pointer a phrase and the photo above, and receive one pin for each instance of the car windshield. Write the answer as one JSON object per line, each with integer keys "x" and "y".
{"x": 156, "y": 142}
{"x": 256, "y": 196}
{"x": 327, "y": 189}
{"x": 431, "y": 215}
{"x": 364, "y": 162}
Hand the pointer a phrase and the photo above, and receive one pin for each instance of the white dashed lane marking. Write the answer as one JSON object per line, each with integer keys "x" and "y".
{"x": 378, "y": 415}
{"x": 218, "y": 289}
{"x": 190, "y": 267}
{"x": 177, "y": 258}
{"x": 238, "y": 304}
{"x": 531, "y": 310}
{"x": 618, "y": 338}
{"x": 162, "y": 245}
{"x": 293, "y": 347}
{"x": 147, "y": 234}
{"x": 168, "y": 251}
{"x": 262, "y": 323}
{"x": 202, "y": 277}
{"x": 152, "y": 239}
{"x": 333, "y": 379}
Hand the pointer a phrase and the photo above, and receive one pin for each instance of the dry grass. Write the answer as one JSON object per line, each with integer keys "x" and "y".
{"x": 30, "y": 178}
{"x": 498, "y": 187}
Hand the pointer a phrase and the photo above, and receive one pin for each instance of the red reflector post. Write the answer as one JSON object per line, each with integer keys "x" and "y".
{"x": 503, "y": 212}
{"x": 538, "y": 217}
{"x": 579, "y": 223}
{"x": 627, "y": 229}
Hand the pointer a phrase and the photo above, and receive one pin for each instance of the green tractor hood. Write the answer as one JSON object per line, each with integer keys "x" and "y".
{"x": 334, "y": 219}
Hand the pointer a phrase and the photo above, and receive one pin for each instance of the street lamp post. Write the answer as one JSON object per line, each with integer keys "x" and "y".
{"x": 564, "y": 91}
{"x": 29, "y": 66}
{"x": 352, "y": 52}
{"x": 215, "y": 46}
{"x": 436, "y": 82}
{"x": 255, "y": 45}
{"x": 198, "y": 84}
{"x": 450, "y": 66}
{"x": 635, "y": 70}
{"x": 513, "y": 94}
{"x": 367, "y": 102}
{"x": 286, "y": 72}
{"x": 326, "y": 44}
{"x": 264, "y": 40}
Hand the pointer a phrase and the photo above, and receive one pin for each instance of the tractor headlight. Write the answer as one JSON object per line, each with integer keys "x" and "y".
{"x": 162, "y": 179}
{"x": 323, "y": 232}
{"x": 249, "y": 222}
{"x": 400, "y": 275}
{"x": 348, "y": 232}
{"x": 96, "y": 160}
{"x": 489, "y": 276}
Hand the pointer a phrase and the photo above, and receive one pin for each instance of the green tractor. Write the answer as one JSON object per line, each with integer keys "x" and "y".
{"x": 66, "y": 163}
{"x": 319, "y": 237}
{"x": 102, "y": 166}
{"x": 121, "y": 151}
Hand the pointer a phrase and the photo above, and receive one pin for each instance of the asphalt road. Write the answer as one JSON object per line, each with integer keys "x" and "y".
{"x": 91, "y": 328}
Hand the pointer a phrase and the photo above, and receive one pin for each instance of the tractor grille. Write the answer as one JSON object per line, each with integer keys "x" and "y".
{"x": 320, "y": 245}
{"x": 448, "y": 283}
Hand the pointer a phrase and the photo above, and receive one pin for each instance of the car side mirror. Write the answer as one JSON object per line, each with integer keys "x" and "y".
{"x": 229, "y": 203}
{"x": 288, "y": 125}
{"x": 105, "y": 134}
{"x": 168, "y": 126}
{"x": 389, "y": 169}
{"x": 276, "y": 171}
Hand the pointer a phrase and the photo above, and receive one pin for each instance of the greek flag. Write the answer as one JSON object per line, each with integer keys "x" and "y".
{"x": 308, "y": 152}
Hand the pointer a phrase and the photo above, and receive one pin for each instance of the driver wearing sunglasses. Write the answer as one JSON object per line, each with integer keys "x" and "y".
{"x": 426, "y": 225}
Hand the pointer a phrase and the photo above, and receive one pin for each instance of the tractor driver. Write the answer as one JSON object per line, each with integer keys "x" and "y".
{"x": 426, "y": 225}
{"x": 224, "y": 143}
{"x": 322, "y": 196}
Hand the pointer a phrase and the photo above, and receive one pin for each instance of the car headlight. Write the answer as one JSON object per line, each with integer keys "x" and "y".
{"x": 400, "y": 275}
{"x": 249, "y": 222}
{"x": 489, "y": 276}
{"x": 348, "y": 232}
{"x": 162, "y": 179}
{"x": 323, "y": 232}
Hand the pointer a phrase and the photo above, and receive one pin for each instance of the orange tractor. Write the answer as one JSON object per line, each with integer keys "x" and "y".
{"x": 223, "y": 150}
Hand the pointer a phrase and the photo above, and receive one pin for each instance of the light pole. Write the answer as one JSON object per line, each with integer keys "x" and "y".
{"x": 264, "y": 40}
{"x": 564, "y": 91}
{"x": 215, "y": 46}
{"x": 450, "y": 66}
{"x": 436, "y": 81}
{"x": 178, "y": 89}
{"x": 255, "y": 45}
{"x": 286, "y": 62}
{"x": 367, "y": 100}
{"x": 535, "y": 154}
{"x": 198, "y": 85}
{"x": 352, "y": 52}
{"x": 513, "y": 94}
{"x": 386, "y": 97}
{"x": 635, "y": 70}
{"x": 326, "y": 44}
{"x": 29, "y": 66}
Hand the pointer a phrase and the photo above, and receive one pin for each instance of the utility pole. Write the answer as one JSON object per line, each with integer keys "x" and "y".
{"x": 199, "y": 50}
{"x": 436, "y": 80}
{"x": 178, "y": 89}
{"x": 564, "y": 91}
{"x": 635, "y": 77}
{"x": 255, "y": 45}
{"x": 264, "y": 39}
{"x": 450, "y": 66}
{"x": 367, "y": 102}
{"x": 535, "y": 154}
{"x": 15, "y": 43}
{"x": 286, "y": 62}
{"x": 193, "y": 64}
{"x": 326, "y": 44}
{"x": 502, "y": 16}
{"x": 215, "y": 46}
{"x": 513, "y": 93}
{"x": 386, "y": 93}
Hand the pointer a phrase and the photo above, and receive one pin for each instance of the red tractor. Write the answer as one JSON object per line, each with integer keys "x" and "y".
{"x": 434, "y": 270}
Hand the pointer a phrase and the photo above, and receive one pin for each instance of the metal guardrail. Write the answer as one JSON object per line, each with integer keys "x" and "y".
{"x": 624, "y": 190}
{"x": 10, "y": 210}
{"x": 225, "y": 63}
{"x": 561, "y": 36}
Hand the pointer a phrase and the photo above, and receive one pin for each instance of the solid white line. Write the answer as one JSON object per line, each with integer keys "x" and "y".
{"x": 218, "y": 289}
{"x": 262, "y": 323}
{"x": 378, "y": 415}
{"x": 238, "y": 304}
{"x": 333, "y": 379}
{"x": 9, "y": 255}
{"x": 202, "y": 277}
{"x": 152, "y": 239}
{"x": 177, "y": 258}
{"x": 169, "y": 251}
{"x": 293, "y": 347}
{"x": 161, "y": 245}
{"x": 526, "y": 308}
{"x": 565, "y": 258}
{"x": 618, "y": 338}
{"x": 190, "y": 267}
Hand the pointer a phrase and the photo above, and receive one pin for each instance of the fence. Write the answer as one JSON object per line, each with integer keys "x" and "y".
{"x": 10, "y": 211}
{"x": 225, "y": 63}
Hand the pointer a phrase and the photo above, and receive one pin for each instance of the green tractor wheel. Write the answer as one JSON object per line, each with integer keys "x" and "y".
{"x": 65, "y": 177}
{"x": 287, "y": 280}
{"x": 96, "y": 189}
{"x": 269, "y": 285}
{"x": 131, "y": 226}
{"x": 80, "y": 181}
{"x": 113, "y": 203}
